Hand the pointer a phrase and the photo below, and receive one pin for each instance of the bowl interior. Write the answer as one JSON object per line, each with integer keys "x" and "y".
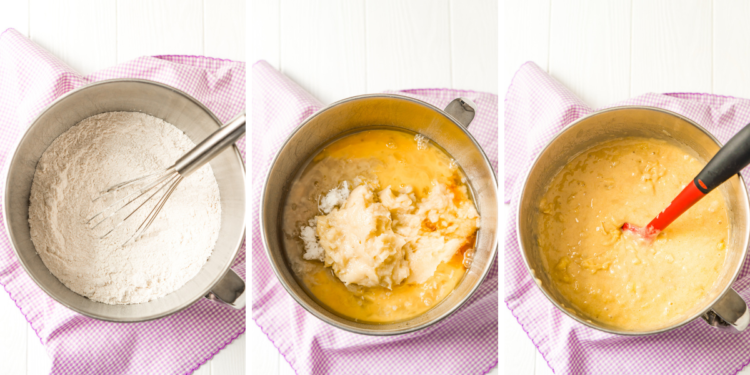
{"x": 618, "y": 123}
{"x": 136, "y": 96}
{"x": 356, "y": 114}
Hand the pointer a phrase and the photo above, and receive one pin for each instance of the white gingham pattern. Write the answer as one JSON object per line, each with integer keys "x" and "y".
{"x": 464, "y": 343}
{"x": 30, "y": 79}
{"x": 536, "y": 108}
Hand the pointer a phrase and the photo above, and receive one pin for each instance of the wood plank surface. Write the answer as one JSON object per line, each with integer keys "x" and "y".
{"x": 731, "y": 57}
{"x": 474, "y": 57}
{"x": 322, "y": 46}
{"x": 224, "y": 29}
{"x": 590, "y": 49}
{"x": 89, "y": 45}
{"x": 408, "y": 44}
{"x": 166, "y": 27}
{"x": 671, "y": 46}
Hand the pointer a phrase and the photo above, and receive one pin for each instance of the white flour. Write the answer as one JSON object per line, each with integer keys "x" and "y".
{"x": 99, "y": 152}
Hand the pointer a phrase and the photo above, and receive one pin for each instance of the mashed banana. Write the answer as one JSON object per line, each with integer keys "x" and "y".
{"x": 614, "y": 277}
{"x": 435, "y": 228}
{"x": 371, "y": 243}
{"x": 359, "y": 242}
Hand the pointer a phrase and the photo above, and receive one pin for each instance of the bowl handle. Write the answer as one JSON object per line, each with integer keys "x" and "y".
{"x": 729, "y": 314}
{"x": 461, "y": 109}
{"x": 230, "y": 290}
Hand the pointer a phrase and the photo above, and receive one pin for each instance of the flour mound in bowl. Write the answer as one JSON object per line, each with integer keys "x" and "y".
{"x": 99, "y": 152}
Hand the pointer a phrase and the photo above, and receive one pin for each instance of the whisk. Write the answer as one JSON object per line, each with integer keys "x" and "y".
{"x": 164, "y": 182}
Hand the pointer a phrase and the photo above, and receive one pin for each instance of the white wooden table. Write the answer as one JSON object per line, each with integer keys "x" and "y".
{"x": 336, "y": 49}
{"x": 607, "y": 51}
{"x": 95, "y": 34}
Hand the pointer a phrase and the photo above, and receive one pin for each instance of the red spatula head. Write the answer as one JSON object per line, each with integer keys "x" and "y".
{"x": 646, "y": 233}
{"x": 729, "y": 161}
{"x": 686, "y": 199}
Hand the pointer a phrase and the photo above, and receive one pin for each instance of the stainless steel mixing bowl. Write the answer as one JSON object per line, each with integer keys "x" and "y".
{"x": 399, "y": 112}
{"x": 722, "y": 307}
{"x": 215, "y": 280}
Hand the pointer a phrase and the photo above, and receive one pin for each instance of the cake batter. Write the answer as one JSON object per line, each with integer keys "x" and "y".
{"x": 613, "y": 276}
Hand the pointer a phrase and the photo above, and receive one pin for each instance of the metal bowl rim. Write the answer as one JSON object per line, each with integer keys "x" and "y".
{"x": 313, "y": 311}
{"x": 14, "y": 154}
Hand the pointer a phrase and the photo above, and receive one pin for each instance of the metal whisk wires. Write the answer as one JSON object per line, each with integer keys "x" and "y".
{"x": 164, "y": 182}
{"x": 154, "y": 183}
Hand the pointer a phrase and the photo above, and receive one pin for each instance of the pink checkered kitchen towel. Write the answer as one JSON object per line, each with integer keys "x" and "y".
{"x": 536, "y": 108}
{"x": 464, "y": 343}
{"x": 30, "y": 79}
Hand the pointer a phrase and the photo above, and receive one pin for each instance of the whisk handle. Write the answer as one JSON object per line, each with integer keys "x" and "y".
{"x": 211, "y": 146}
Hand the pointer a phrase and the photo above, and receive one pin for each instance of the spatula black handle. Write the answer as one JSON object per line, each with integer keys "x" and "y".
{"x": 729, "y": 161}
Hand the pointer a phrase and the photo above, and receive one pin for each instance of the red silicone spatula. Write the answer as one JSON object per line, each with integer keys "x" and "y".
{"x": 730, "y": 159}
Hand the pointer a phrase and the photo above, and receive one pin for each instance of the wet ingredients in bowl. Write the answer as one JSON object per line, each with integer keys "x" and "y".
{"x": 99, "y": 152}
{"x": 380, "y": 226}
{"x": 615, "y": 277}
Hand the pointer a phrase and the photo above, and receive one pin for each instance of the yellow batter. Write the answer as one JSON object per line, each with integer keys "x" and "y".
{"x": 380, "y": 158}
{"x": 613, "y": 277}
